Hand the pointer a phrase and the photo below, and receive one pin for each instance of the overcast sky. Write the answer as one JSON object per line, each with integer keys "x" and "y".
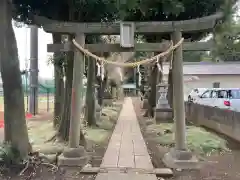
{"x": 23, "y": 42}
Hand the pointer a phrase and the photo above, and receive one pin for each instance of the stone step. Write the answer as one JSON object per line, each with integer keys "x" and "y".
{"x": 160, "y": 172}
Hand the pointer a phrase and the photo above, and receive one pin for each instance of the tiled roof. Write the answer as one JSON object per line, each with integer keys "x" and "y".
{"x": 205, "y": 68}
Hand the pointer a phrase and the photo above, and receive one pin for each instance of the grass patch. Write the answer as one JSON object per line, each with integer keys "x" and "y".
{"x": 96, "y": 135}
{"x": 105, "y": 125}
{"x": 198, "y": 139}
{"x": 42, "y": 131}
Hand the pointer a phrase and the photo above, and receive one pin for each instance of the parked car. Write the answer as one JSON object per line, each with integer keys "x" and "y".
{"x": 195, "y": 93}
{"x": 227, "y": 98}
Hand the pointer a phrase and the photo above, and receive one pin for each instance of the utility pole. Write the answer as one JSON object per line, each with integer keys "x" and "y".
{"x": 33, "y": 101}
{"x": 26, "y": 68}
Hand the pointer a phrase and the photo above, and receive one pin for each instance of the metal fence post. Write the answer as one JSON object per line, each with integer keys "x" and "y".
{"x": 47, "y": 100}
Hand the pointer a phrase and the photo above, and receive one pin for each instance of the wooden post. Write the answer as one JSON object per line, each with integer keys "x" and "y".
{"x": 178, "y": 94}
{"x": 74, "y": 132}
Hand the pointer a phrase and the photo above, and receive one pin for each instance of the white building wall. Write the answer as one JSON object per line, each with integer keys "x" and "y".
{"x": 206, "y": 81}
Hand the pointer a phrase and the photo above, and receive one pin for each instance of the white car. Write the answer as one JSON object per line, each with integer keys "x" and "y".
{"x": 195, "y": 93}
{"x": 225, "y": 98}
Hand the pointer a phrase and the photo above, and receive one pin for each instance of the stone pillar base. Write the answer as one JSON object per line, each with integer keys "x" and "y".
{"x": 73, "y": 157}
{"x": 177, "y": 159}
{"x": 163, "y": 115}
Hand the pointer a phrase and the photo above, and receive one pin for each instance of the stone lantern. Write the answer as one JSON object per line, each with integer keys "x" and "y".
{"x": 163, "y": 111}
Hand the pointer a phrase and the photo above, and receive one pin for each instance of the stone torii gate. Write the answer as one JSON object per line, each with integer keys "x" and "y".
{"x": 178, "y": 156}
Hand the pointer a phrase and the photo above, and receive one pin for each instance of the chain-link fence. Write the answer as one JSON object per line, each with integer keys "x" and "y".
{"x": 45, "y": 102}
{"x": 45, "y": 97}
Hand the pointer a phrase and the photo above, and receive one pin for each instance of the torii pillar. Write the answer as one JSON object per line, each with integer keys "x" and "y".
{"x": 179, "y": 157}
{"x": 75, "y": 155}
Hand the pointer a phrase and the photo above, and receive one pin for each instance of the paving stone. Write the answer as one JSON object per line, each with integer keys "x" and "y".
{"x": 125, "y": 176}
{"x": 110, "y": 158}
{"x": 143, "y": 162}
{"x": 126, "y": 161}
{"x": 139, "y": 148}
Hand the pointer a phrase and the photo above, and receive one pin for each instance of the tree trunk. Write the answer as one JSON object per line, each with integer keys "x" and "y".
{"x": 170, "y": 82}
{"x": 100, "y": 91}
{"x": 170, "y": 89}
{"x": 58, "y": 80}
{"x": 148, "y": 71}
{"x": 100, "y": 87}
{"x": 90, "y": 95}
{"x": 15, "y": 130}
{"x": 104, "y": 87}
{"x": 152, "y": 95}
{"x": 63, "y": 131}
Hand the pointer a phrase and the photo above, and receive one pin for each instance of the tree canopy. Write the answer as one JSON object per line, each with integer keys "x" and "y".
{"x": 114, "y": 10}
{"x": 60, "y": 10}
{"x": 105, "y": 10}
{"x": 172, "y": 10}
{"x": 228, "y": 43}
{"x": 227, "y": 38}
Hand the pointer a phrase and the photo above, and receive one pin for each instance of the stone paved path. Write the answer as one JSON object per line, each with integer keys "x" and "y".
{"x": 126, "y": 148}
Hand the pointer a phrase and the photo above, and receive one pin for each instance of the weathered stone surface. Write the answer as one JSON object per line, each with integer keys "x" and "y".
{"x": 74, "y": 161}
{"x": 90, "y": 170}
{"x": 163, "y": 112}
{"x": 126, "y": 149}
{"x": 163, "y": 172}
{"x": 125, "y": 176}
{"x": 181, "y": 160}
{"x": 74, "y": 152}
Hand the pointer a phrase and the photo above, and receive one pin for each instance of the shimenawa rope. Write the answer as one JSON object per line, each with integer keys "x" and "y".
{"x": 134, "y": 64}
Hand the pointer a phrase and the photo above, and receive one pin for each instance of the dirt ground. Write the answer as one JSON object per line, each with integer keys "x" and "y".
{"x": 224, "y": 166}
{"x": 49, "y": 172}
{"x": 41, "y": 116}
